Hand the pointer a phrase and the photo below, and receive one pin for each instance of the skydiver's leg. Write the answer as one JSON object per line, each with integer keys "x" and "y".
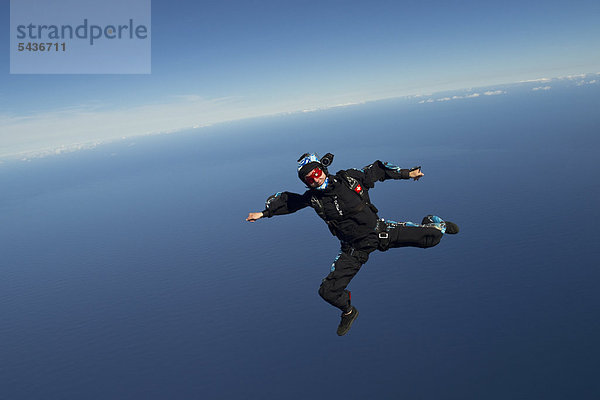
{"x": 344, "y": 268}
{"x": 408, "y": 234}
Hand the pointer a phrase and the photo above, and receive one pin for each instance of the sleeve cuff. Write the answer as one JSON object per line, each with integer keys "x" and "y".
{"x": 267, "y": 213}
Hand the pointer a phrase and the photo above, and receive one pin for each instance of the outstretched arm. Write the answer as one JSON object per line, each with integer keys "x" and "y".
{"x": 280, "y": 204}
{"x": 381, "y": 171}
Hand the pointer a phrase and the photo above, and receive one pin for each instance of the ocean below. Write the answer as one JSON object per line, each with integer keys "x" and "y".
{"x": 128, "y": 271}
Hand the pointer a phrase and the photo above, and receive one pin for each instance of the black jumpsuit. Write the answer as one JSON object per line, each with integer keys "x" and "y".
{"x": 353, "y": 219}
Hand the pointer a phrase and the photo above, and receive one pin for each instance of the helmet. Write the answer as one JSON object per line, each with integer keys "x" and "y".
{"x": 309, "y": 161}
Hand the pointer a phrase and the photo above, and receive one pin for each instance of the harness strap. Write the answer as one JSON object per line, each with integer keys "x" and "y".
{"x": 354, "y": 185}
{"x": 383, "y": 234}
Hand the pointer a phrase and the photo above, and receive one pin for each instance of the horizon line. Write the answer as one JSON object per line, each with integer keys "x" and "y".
{"x": 73, "y": 145}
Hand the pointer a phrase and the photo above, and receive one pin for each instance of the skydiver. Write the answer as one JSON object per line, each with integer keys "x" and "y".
{"x": 342, "y": 201}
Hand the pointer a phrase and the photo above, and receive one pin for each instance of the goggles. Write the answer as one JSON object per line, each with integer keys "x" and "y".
{"x": 313, "y": 176}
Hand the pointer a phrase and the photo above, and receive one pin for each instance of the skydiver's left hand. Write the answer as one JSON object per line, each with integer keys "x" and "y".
{"x": 416, "y": 174}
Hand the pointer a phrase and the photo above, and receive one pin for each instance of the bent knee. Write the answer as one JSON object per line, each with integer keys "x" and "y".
{"x": 431, "y": 240}
{"x": 326, "y": 290}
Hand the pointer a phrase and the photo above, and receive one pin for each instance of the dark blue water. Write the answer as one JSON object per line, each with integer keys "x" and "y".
{"x": 128, "y": 271}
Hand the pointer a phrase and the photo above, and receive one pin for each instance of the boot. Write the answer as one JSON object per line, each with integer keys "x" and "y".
{"x": 451, "y": 228}
{"x": 346, "y": 322}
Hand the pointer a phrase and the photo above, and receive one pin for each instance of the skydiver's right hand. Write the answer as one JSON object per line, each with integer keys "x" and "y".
{"x": 254, "y": 216}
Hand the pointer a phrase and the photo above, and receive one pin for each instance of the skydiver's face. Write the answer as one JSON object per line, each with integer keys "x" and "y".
{"x": 315, "y": 178}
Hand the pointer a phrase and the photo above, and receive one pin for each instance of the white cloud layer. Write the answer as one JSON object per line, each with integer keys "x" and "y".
{"x": 85, "y": 127}
{"x": 82, "y": 127}
{"x": 466, "y": 96}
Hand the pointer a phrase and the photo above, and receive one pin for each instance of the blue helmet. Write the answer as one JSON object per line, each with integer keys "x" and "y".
{"x": 309, "y": 161}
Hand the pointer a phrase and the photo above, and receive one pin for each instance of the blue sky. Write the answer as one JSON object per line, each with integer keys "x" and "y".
{"x": 214, "y": 61}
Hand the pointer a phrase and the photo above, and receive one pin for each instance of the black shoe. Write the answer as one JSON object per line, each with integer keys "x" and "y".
{"x": 451, "y": 228}
{"x": 347, "y": 321}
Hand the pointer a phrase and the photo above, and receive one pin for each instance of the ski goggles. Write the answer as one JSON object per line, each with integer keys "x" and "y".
{"x": 313, "y": 176}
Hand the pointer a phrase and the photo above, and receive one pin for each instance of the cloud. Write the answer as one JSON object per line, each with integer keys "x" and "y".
{"x": 573, "y": 77}
{"x": 465, "y": 96}
{"x": 494, "y": 93}
{"x": 322, "y": 108}
{"x": 456, "y": 97}
{"x": 592, "y": 82}
{"x": 542, "y": 88}
{"x": 536, "y": 80}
